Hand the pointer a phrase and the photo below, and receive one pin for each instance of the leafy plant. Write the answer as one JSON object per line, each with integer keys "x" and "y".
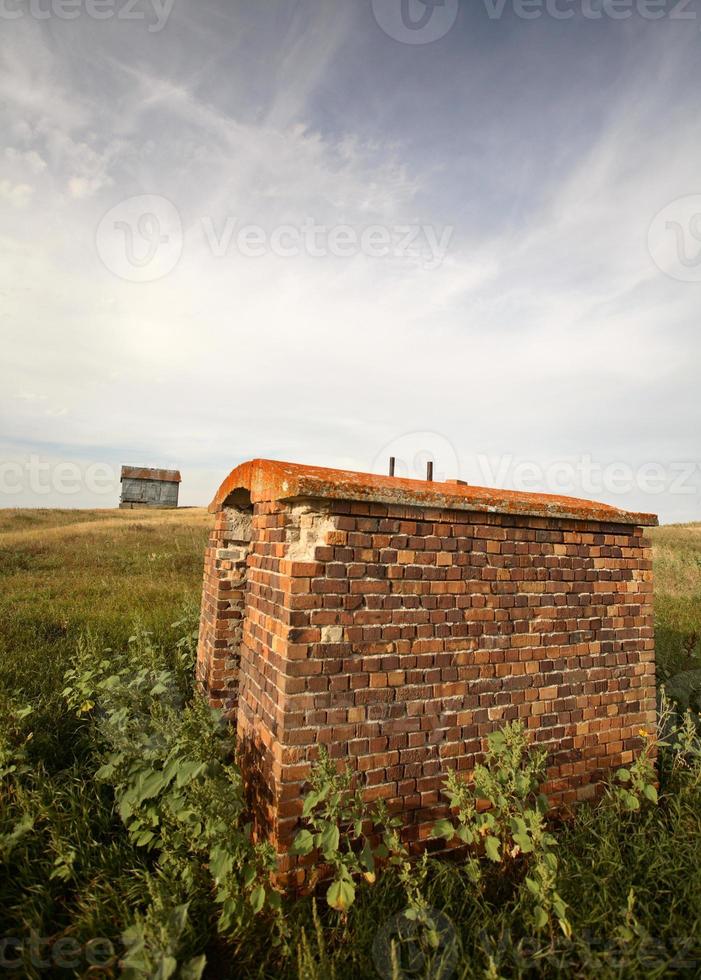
{"x": 14, "y": 738}
{"x": 153, "y": 942}
{"x": 14, "y": 764}
{"x": 679, "y": 739}
{"x": 631, "y": 785}
{"x": 168, "y": 761}
{"x": 501, "y": 817}
{"x": 341, "y": 827}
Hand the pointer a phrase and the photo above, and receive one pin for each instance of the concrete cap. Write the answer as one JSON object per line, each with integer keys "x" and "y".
{"x": 268, "y": 480}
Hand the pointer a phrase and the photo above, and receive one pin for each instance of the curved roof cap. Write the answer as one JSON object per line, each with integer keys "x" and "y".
{"x": 267, "y": 479}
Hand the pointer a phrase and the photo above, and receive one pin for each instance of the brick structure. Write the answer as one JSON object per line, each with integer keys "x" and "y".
{"x": 398, "y": 622}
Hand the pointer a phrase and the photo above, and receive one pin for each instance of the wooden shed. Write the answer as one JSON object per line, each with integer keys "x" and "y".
{"x": 144, "y": 487}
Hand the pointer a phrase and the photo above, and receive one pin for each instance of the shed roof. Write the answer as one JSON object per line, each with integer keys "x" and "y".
{"x": 268, "y": 479}
{"x": 145, "y": 473}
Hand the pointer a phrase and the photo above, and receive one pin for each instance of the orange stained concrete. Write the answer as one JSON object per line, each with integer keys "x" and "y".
{"x": 269, "y": 480}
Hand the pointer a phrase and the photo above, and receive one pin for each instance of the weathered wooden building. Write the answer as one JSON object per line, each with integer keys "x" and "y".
{"x": 144, "y": 487}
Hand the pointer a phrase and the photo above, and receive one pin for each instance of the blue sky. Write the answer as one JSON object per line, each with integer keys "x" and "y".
{"x": 535, "y": 321}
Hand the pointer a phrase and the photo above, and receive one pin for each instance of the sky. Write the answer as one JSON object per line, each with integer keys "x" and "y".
{"x": 331, "y": 232}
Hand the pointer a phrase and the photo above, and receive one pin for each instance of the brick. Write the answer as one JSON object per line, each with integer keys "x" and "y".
{"x": 399, "y": 635}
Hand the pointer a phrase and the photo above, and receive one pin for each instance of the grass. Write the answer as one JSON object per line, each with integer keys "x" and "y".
{"x": 677, "y": 572}
{"x": 633, "y": 882}
{"x": 66, "y": 571}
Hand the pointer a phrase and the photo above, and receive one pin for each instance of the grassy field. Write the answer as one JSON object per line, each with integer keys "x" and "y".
{"x": 72, "y": 871}
{"x": 63, "y": 572}
{"x": 66, "y": 570}
{"x": 677, "y": 569}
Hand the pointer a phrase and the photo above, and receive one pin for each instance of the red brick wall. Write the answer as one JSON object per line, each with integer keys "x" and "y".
{"x": 264, "y": 682}
{"x": 223, "y": 608}
{"x": 400, "y": 636}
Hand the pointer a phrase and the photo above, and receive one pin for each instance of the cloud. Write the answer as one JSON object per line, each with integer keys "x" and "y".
{"x": 17, "y": 195}
{"x": 547, "y": 332}
{"x": 81, "y": 187}
{"x": 26, "y": 158}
